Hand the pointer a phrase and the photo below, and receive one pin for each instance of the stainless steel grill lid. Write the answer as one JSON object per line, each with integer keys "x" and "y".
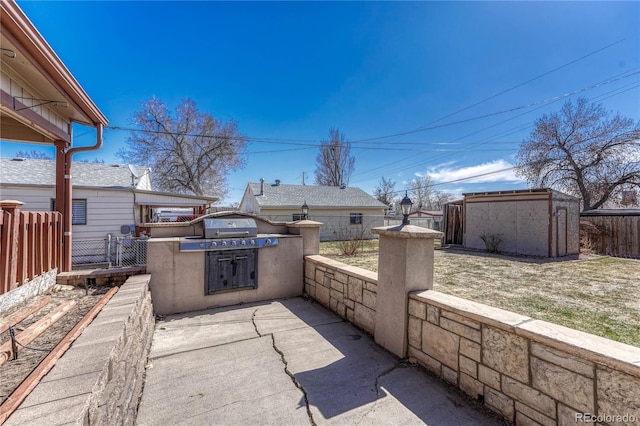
{"x": 230, "y": 228}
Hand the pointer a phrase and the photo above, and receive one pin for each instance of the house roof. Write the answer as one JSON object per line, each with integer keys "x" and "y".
{"x": 315, "y": 196}
{"x": 27, "y": 171}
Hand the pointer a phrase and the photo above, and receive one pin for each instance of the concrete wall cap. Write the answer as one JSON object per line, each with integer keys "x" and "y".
{"x": 407, "y": 231}
{"x": 305, "y": 224}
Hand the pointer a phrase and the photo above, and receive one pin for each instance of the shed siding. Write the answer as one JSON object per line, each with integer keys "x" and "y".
{"x": 529, "y": 223}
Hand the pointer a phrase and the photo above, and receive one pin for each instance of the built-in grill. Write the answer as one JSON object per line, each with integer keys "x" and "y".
{"x": 231, "y": 258}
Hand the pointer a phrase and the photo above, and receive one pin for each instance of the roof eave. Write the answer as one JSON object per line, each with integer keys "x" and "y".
{"x": 17, "y": 23}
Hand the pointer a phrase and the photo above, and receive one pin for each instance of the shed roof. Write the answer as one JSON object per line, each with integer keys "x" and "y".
{"x": 28, "y": 171}
{"x": 281, "y": 195}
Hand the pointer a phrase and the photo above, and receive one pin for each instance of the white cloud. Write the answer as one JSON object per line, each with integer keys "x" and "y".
{"x": 495, "y": 171}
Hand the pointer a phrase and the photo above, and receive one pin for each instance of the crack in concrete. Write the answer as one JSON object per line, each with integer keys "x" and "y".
{"x": 400, "y": 364}
{"x": 286, "y": 368}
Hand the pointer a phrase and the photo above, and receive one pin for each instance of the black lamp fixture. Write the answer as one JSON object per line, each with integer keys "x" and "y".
{"x": 305, "y": 210}
{"x": 405, "y": 206}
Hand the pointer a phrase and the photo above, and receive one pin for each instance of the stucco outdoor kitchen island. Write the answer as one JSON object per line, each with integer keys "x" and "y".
{"x": 225, "y": 259}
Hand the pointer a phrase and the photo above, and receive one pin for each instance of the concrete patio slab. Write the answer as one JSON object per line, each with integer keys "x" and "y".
{"x": 287, "y": 362}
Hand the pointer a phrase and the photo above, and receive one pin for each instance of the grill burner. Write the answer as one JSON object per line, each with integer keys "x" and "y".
{"x": 228, "y": 234}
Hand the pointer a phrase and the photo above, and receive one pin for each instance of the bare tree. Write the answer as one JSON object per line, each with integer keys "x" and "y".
{"x": 384, "y": 192}
{"x": 34, "y": 154}
{"x": 421, "y": 191}
{"x": 189, "y": 153}
{"x": 583, "y": 151}
{"x": 334, "y": 163}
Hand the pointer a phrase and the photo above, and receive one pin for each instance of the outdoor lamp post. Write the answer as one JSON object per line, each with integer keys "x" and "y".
{"x": 405, "y": 206}
{"x": 305, "y": 211}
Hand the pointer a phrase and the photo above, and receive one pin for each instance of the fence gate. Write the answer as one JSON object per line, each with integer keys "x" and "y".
{"x": 116, "y": 251}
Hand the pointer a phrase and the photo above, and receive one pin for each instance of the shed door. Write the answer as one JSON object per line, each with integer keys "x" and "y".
{"x": 561, "y": 231}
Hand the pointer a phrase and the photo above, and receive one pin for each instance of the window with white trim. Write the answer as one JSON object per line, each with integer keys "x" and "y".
{"x": 355, "y": 218}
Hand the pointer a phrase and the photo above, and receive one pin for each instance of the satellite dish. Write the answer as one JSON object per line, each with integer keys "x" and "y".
{"x": 133, "y": 171}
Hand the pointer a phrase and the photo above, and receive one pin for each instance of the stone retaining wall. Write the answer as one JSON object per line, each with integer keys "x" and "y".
{"x": 347, "y": 290}
{"x": 98, "y": 381}
{"x": 529, "y": 371}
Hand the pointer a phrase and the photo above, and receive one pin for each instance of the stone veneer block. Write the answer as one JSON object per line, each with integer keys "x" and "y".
{"x": 471, "y": 386}
{"x": 450, "y": 375}
{"x": 337, "y": 285}
{"x": 417, "y": 309}
{"x": 534, "y": 415}
{"x": 340, "y": 277}
{"x": 322, "y": 294}
{"x": 618, "y": 393}
{"x": 567, "y": 416}
{"x": 565, "y": 386}
{"x": 369, "y": 299}
{"x": 440, "y": 344}
{"x": 415, "y": 332}
{"x": 496, "y": 317}
{"x": 584, "y": 345}
{"x": 364, "y": 317}
{"x": 461, "y": 319}
{"x": 468, "y": 366}
{"x": 425, "y": 360}
{"x": 562, "y": 359}
{"x": 529, "y": 396}
{"x": 499, "y": 402}
{"x": 470, "y": 349}
{"x": 370, "y": 286}
{"x": 505, "y": 352}
{"x": 354, "y": 289}
{"x": 459, "y": 329}
{"x": 489, "y": 377}
{"x": 433, "y": 314}
{"x": 309, "y": 271}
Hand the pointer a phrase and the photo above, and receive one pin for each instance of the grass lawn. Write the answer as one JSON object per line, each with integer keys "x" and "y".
{"x": 595, "y": 294}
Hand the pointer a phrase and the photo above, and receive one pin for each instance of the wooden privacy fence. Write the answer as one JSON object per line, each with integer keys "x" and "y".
{"x": 30, "y": 244}
{"x": 616, "y": 233}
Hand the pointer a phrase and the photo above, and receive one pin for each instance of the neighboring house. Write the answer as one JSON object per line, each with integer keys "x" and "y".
{"x": 431, "y": 219}
{"x": 105, "y": 196}
{"x": 344, "y": 211}
{"x": 536, "y": 222}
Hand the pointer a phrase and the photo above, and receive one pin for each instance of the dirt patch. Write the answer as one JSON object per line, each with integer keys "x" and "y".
{"x": 13, "y": 372}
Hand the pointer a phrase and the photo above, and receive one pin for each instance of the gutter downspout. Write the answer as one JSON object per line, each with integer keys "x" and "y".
{"x": 68, "y": 197}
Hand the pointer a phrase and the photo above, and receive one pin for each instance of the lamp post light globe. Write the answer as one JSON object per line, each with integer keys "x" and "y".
{"x": 305, "y": 211}
{"x": 405, "y": 206}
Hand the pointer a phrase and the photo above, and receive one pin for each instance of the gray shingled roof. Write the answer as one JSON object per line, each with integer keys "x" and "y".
{"x": 42, "y": 172}
{"x": 315, "y": 196}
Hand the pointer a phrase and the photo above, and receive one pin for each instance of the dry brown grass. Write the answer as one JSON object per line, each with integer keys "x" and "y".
{"x": 595, "y": 294}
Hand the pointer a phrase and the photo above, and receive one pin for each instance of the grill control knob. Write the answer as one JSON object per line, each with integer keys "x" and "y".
{"x": 252, "y": 242}
{"x": 267, "y": 242}
{"x": 243, "y": 243}
{"x": 234, "y": 243}
{"x": 214, "y": 244}
{"x": 224, "y": 244}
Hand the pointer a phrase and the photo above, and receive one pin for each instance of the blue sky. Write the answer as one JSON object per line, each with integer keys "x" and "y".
{"x": 292, "y": 70}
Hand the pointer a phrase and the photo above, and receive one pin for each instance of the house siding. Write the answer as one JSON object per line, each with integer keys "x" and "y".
{"x": 335, "y": 223}
{"x": 106, "y": 210}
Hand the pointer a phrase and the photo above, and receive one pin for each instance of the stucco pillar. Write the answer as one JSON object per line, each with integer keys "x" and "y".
{"x": 405, "y": 264}
{"x": 310, "y": 232}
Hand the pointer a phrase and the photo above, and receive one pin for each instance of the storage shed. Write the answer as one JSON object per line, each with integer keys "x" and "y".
{"x": 535, "y": 222}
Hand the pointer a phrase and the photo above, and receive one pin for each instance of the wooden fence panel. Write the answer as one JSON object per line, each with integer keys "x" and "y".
{"x": 619, "y": 235}
{"x": 30, "y": 244}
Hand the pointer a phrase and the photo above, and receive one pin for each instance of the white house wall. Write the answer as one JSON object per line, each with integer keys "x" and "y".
{"x": 335, "y": 222}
